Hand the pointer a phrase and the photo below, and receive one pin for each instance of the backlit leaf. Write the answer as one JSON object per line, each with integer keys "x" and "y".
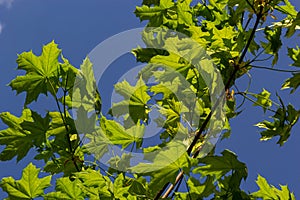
{"x": 66, "y": 189}
{"x": 267, "y": 191}
{"x": 41, "y": 73}
{"x": 28, "y": 187}
{"x": 263, "y": 100}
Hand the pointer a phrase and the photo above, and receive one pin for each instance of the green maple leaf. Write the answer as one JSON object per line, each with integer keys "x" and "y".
{"x": 134, "y": 103}
{"x": 267, "y": 191}
{"x": 57, "y": 126}
{"x": 293, "y": 26}
{"x": 98, "y": 143}
{"x": 118, "y": 135}
{"x": 95, "y": 185}
{"x": 163, "y": 171}
{"x": 138, "y": 187}
{"x": 223, "y": 38}
{"x": 198, "y": 35}
{"x": 22, "y": 133}
{"x": 169, "y": 89}
{"x": 172, "y": 111}
{"x": 41, "y": 73}
{"x": 66, "y": 189}
{"x": 121, "y": 187}
{"x": 287, "y": 9}
{"x": 274, "y": 42}
{"x": 39, "y": 127}
{"x": 85, "y": 92}
{"x": 172, "y": 61}
{"x": 28, "y": 187}
{"x": 156, "y": 15}
{"x": 283, "y": 121}
{"x": 184, "y": 13}
{"x": 263, "y": 100}
{"x": 197, "y": 190}
{"x": 218, "y": 166}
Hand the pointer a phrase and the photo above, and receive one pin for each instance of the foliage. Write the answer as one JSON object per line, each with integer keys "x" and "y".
{"x": 71, "y": 147}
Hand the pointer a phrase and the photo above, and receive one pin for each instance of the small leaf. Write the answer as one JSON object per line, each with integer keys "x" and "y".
{"x": 294, "y": 54}
{"x": 134, "y": 103}
{"x": 263, "y": 100}
{"x": 292, "y": 82}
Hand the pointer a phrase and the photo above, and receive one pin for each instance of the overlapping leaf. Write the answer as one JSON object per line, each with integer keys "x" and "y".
{"x": 85, "y": 92}
{"x": 95, "y": 185}
{"x": 219, "y": 166}
{"x": 134, "y": 103}
{"x": 66, "y": 189}
{"x": 22, "y": 133}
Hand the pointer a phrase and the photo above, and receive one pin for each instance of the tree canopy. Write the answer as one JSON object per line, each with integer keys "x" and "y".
{"x": 194, "y": 53}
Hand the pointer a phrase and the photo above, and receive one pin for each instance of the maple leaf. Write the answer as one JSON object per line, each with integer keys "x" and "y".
{"x": 41, "y": 73}
{"x": 28, "y": 187}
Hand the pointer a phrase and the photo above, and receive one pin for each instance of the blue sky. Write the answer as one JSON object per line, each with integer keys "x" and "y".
{"x": 78, "y": 26}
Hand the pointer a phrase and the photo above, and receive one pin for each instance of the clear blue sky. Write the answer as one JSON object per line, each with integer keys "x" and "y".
{"x": 78, "y": 26}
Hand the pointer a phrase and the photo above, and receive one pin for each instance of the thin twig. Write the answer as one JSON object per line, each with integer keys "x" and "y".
{"x": 273, "y": 69}
{"x": 253, "y": 101}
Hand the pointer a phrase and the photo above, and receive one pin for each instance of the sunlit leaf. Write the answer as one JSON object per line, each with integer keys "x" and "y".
{"x": 294, "y": 54}
{"x": 41, "y": 73}
{"x": 28, "y": 187}
{"x": 292, "y": 82}
{"x": 267, "y": 191}
{"x": 134, "y": 103}
{"x": 263, "y": 100}
{"x": 66, "y": 189}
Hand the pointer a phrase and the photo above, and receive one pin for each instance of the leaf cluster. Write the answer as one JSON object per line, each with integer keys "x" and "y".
{"x": 189, "y": 47}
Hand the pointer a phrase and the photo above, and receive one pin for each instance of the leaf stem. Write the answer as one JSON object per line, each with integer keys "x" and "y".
{"x": 64, "y": 122}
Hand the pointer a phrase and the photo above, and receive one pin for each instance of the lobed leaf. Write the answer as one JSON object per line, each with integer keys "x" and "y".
{"x": 28, "y": 187}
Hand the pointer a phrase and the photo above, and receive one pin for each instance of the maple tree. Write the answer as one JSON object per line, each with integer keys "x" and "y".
{"x": 185, "y": 93}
